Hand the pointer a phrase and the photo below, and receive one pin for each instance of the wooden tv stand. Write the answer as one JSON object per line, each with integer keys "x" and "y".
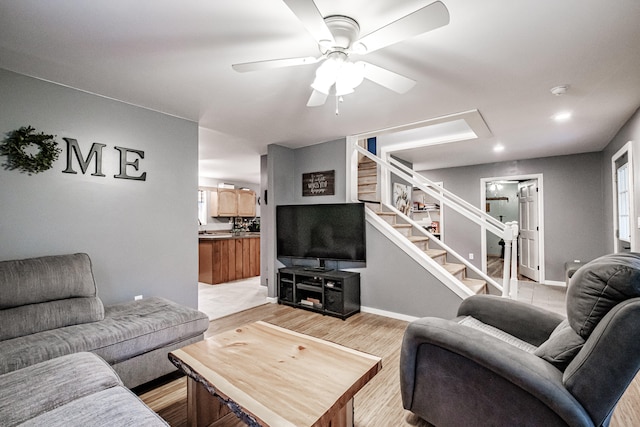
{"x": 332, "y": 292}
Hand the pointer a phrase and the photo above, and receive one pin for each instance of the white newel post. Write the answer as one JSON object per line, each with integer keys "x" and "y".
{"x": 506, "y": 268}
{"x": 513, "y": 288}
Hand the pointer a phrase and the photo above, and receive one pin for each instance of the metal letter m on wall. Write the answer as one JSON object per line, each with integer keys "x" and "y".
{"x": 96, "y": 150}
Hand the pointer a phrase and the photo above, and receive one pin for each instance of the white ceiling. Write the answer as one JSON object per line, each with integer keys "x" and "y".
{"x": 499, "y": 57}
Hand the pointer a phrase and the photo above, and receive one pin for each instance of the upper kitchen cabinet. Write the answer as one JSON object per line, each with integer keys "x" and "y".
{"x": 246, "y": 203}
{"x": 229, "y": 202}
{"x": 224, "y": 202}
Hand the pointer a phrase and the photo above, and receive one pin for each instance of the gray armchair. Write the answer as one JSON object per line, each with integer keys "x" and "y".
{"x": 522, "y": 365}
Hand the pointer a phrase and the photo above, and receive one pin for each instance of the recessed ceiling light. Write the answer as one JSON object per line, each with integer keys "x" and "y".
{"x": 498, "y": 148}
{"x": 562, "y": 117}
{"x": 559, "y": 90}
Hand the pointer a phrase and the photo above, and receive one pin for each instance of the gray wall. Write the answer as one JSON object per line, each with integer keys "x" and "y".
{"x": 280, "y": 187}
{"x": 574, "y": 212}
{"x": 141, "y": 235}
{"x": 316, "y": 158}
{"x": 264, "y": 180}
{"x": 394, "y": 282}
{"x": 629, "y": 132}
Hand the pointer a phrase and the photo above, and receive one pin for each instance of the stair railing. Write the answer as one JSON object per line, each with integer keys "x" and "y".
{"x": 507, "y": 231}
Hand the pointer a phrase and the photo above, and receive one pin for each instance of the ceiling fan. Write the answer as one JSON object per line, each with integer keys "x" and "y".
{"x": 338, "y": 37}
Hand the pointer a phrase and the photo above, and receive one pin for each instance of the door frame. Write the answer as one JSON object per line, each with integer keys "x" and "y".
{"x": 483, "y": 207}
{"x": 625, "y": 149}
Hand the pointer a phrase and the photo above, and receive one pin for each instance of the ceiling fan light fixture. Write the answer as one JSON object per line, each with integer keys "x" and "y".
{"x": 337, "y": 70}
{"x": 327, "y": 73}
{"x": 349, "y": 77}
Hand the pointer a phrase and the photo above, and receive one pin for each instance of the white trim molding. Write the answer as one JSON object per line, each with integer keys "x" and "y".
{"x": 390, "y": 314}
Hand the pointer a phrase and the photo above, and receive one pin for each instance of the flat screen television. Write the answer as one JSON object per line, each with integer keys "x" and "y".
{"x": 321, "y": 231}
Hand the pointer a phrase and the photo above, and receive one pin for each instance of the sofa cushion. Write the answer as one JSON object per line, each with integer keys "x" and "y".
{"x": 115, "y": 406}
{"x": 128, "y": 330}
{"x": 49, "y": 278}
{"x": 32, "y": 318}
{"x": 29, "y": 392}
{"x": 599, "y": 286}
{"x": 561, "y": 347}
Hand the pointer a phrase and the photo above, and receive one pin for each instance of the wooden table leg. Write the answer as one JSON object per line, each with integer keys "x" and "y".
{"x": 202, "y": 407}
{"x": 344, "y": 418}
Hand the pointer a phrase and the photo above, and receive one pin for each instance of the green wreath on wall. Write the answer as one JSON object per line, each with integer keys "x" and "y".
{"x": 18, "y": 141}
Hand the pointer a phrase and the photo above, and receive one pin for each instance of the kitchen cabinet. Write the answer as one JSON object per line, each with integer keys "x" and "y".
{"x": 223, "y": 202}
{"x": 226, "y": 259}
{"x": 229, "y": 202}
{"x": 246, "y": 203}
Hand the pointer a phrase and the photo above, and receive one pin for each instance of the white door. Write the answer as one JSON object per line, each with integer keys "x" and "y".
{"x": 528, "y": 264}
{"x": 623, "y": 192}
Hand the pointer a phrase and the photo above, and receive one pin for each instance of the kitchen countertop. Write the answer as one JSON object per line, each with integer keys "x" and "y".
{"x": 228, "y": 235}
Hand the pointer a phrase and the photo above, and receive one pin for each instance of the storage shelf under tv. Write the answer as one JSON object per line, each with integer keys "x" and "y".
{"x": 334, "y": 293}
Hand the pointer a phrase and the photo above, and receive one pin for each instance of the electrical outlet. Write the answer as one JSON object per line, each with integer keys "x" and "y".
{"x": 137, "y": 297}
{"x": 470, "y": 256}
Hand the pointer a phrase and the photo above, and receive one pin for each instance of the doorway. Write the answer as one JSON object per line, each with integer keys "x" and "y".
{"x": 515, "y": 198}
{"x": 623, "y": 200}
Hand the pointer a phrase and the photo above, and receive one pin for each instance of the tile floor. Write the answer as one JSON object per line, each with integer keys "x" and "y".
{"x": 549, "y": 297}
{"x": 227, "y": 298}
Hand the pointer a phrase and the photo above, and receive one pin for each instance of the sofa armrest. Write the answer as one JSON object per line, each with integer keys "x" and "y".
{"x": 524, "y": 321}
{"x": 466, "y": 365}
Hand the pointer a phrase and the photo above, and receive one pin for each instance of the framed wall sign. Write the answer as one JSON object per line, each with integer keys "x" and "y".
{"x": 319, "y": 183}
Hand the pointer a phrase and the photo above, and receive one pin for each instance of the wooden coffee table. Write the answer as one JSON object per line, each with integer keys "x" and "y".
{"x": 271, "y": 376}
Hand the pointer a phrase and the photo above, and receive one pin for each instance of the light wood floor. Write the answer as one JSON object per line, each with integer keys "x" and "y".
{"x": 378, "y": 404}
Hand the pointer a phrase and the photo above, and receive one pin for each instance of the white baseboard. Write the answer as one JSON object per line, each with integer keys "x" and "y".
{"x": 555, "y": 283}
{"x": 390, "y": 314}
{"x": 272, "y": 300}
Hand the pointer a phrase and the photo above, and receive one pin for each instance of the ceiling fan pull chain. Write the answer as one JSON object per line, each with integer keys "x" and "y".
{"x": 339, "y": 99}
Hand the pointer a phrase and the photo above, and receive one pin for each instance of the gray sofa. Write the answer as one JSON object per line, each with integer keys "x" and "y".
{"x": 515, "y": 364}
{"x": 76, "y": 390}
{"x": 49, "y": 308}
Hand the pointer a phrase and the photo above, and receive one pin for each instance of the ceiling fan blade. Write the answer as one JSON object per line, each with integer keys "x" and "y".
{"x": 274, "y": 63}
{"x": 308, "y": 13}
{"x": 317, "y": 99}
{"x": 428, "y": 18}
{"x": 389, "y": 79}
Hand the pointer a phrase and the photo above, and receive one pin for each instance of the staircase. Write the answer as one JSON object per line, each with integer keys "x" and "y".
{"x": 459, "y": 271}
{"x": 367, "y": 180}
{"x": 368, "y": 193}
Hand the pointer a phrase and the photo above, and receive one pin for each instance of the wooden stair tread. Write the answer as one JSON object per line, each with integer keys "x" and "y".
{"x": 415, "y": 239}
{"x": 434, "y": 253}
{"x": 367, "y": 179}
{"x": 453, "y": 268}
{"x": 367, "y": 166}
{"x": 367, "y": 173}
{"x": 476, "y": 285}
{"x": 386, "y": 213}
{"x": 402, "y": 226}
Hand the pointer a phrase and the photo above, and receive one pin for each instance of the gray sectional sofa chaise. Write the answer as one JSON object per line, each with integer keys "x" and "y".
{"x": 76, "y": 390}
{"x": 49, "y": 308}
